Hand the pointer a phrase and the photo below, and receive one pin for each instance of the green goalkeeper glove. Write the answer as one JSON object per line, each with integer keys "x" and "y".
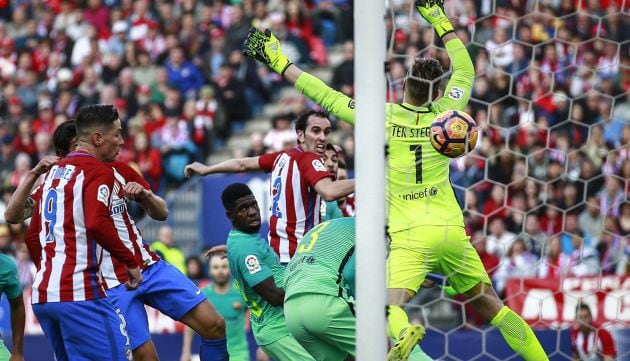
{"x": 265, "y": 47}
{"x": 433, "y": 12}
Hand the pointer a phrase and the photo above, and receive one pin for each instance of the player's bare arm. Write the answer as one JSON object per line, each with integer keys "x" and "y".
{"x": 19, "y": 207}
{"x": 236, "y": 165}
{"x": 331, "y": 190}
{"x": 18, "y": 319}
{"x": 268, "y": 290}
{"x": 153, "y": 204}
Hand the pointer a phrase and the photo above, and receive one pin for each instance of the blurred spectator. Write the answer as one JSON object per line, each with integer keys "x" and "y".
{"x": 590, "y": 220}
{"x": 489, "y": 260}
{"x": 624, "y": 219}
{"x": 254, "y": 88}
{"x": 209, "y": 121}
{"x": 499, "y": 238}
{"x": 176, "y": 146}
{"x": 22, "y": 167}
{"x": 148, "y": 159}
{"x": 281, "y": 132}
{"x": 146, "y": 71}
{"x": 26, "y": 267}
{"x": 6, "y": 246}
{"x": 195, "y": 271}
{"x": 570, "y": 228}
{"x": 231, "y": 93}
{"x": 343, "y": 74}
{"x": 583, "y": 260}
{"x": 518, "y": 262}
{"x": 554, "y": 263}
{"x": 535, "y": 239}
{"x": 588, "y": 341}
{"x": 183, "y": 74}
{"x": 611, "y": 196}
{"x": 501, "y": 48}
{"x": 165, "y": 247}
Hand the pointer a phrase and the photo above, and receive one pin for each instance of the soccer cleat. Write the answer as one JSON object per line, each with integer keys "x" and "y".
{"x": 409, "y": 338}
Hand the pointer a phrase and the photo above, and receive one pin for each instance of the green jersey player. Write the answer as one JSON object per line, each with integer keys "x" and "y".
{"x": 425, "y": 222}
{"x": 10, "y": 285}
{"x": 226, "y": 298}
{"x": 258, "y": 274}
{"x": 319, "y": 292}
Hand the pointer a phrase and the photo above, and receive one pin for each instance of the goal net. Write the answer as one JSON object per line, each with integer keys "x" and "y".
{"x": 545, "y": 192}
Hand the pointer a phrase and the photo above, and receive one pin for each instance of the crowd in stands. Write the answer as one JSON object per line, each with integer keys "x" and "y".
{"x": 548, "y": 181}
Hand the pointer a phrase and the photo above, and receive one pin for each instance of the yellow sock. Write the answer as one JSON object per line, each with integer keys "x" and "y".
{"x": 397, "y": 320}
{"x": 518, "y": 335}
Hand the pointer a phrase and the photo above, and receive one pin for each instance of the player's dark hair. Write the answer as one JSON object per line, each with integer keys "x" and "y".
{"x": 234, "y": 192}
{"x": 331, "y": 147}
{"x": 96, "y": 116}
{"x": 62, "y": 137}
{"x": 424, "y": 80}
{"x": 301, "y": 123}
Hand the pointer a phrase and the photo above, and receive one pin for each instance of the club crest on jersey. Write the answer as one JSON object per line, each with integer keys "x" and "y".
{"x": 103, "y": 194}
{"x": 319, "y": 166}
{"x": 456, "y": 93}
{"x": 252, "y": 264}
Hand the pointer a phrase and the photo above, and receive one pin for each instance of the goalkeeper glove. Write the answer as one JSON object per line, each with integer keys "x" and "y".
{"x": 433, "y": 12}
{"x": 265, "y": 47}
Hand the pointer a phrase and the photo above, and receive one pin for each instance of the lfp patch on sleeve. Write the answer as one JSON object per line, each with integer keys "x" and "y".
{"x": 103, "y": 194}
{"x": 456, "y": 93}
{"x": 319, "y": 166}
{"x": 252, "y": 264}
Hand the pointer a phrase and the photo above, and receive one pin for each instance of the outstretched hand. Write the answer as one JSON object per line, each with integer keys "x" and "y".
{"x": 195, "y": 168}
{"x": 433, "y": 12}
{"x": 220, "y": 249}
{"x": 265, "y": 47}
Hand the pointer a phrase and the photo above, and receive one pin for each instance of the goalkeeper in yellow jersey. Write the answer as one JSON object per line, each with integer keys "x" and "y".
{"x": 425, "y": 222}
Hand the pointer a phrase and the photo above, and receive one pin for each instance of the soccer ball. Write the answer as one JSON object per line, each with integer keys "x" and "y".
{"x": 453, "y": 133}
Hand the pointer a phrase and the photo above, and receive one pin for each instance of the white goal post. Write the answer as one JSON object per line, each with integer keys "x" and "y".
{"x": 370, "y": 85}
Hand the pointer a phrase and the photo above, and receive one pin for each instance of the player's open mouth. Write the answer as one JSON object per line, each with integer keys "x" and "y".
{"x": 320, "y": 148}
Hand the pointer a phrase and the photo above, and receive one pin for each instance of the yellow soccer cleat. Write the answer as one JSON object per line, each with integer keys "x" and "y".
{"x": 409, "y": 338}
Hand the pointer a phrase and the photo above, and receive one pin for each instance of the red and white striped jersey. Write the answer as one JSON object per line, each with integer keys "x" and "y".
{"x": 594, "y": 345}
{"x": 73, "y": 222}
{"x": 294, "y": 202}
{"x": 114, "y": 272}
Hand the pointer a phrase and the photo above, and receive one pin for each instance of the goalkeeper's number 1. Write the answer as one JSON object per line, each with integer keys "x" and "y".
{"x": 417, "y": 150}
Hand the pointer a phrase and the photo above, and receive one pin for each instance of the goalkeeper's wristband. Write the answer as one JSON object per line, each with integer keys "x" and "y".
{"x": 444, "y": 27}
{"x": 286, "y": 67}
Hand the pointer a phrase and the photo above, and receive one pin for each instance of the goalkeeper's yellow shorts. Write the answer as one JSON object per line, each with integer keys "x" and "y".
{"x": 442, "y": 249}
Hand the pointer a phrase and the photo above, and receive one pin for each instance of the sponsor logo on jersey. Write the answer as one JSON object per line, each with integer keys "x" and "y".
{"x": 103, "y": 194}
{"x": 456, "y": 93}
{"x": 252, "y": 264}
{"x": 118, "y": 206}
{"x": 319, "y": 166}
{"x": 425, "y": 193}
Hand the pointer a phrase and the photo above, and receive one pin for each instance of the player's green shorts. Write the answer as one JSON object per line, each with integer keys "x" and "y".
{"x": 5, "y": 355}
{"x": 323, "y": 324}
{"x": 444, "y": 249}
{"x": 286, "y": 349}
